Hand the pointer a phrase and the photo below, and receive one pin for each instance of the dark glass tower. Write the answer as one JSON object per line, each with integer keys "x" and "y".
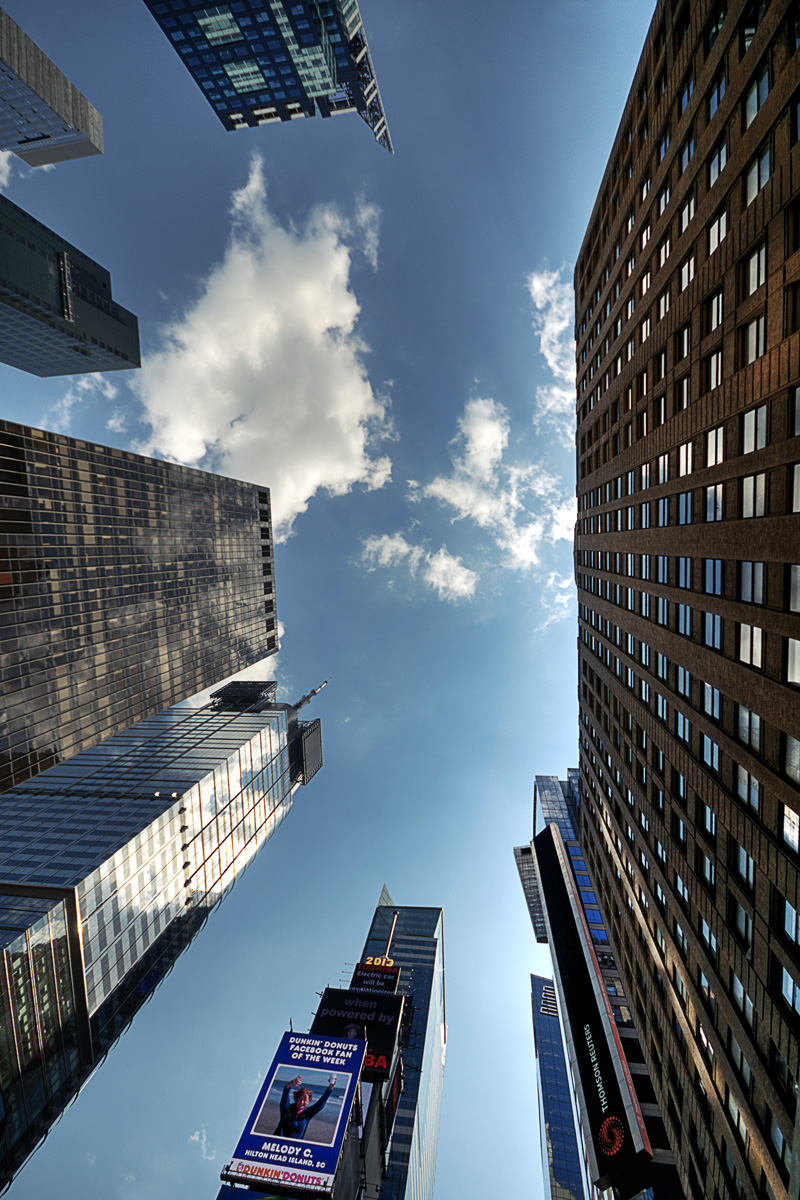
{"x": 414, "y": 939}
{"x": 687, "y": 558}
{"x": 126, "y": 585}
{"x": 57, "y": 314}
{"x": 43, "y": 117}
{"x": 564, "y": 1177}
{"x": 109, "y": 866}
{"x": 261, "y": 61}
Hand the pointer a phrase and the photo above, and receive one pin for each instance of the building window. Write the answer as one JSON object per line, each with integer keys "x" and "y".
{"x": 717, "y": 231}
{"x": 754, "y": 429}
{"x": 685, "y": 508}
{"x": 681, "y": 889}
{"x": 794, "y": 588}
{"x": 714, "y": 312}
{"x": 687, "y": 152}
{"x": 748, "y": 729}
{"x": 791, "y": 829}
{"x": 752, "y": 340}
{"x": 750, "y": 640}
{"x": 711, "y": 703}
{"x": 710, "y": 753}
{"x": 745, "y": 866}
{"x": 791, "y": 758}
{"x": 687, "y": 212}
{"x": 755, "y": 96}
{"x": 754, "y": 14}
{"x": 790, "y": 990}
{"x": 754, "y": 271}
{"x": 685, "y": 626}
{"x": 712, "y": 582}
{"x": 716, "y": 164}
{"x": 682, "y": 394}
{"x": 714, "y": 502}
{"x": 751, "y": 582}
{"x": 683, "y": 727}
{"x": 663, "y": 304}
{"x": 687, "y": 273}
{"x": 747, "y": 787}
{"x": 757, "y": 174}
{"x": 663, "y": 147}
{"x": 712, "y": 630}
{"x": 708, "y": 936}
{"x": 716, "y": 94}
{"x": 684, "y": 572}
{"x": 742, "y": 924}
{"x": 714, "y": 446}
{"x": 754, "y": 495}
{"x": 663, "y": 199}
{"x": 793, "y": 661}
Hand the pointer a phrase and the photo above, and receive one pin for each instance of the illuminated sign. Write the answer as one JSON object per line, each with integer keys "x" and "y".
{"x": 344, "y": 1013}
{"x": 615, "y": 1123}
{"x": 293, "y": 1139}
{"x": 375, "y": 975}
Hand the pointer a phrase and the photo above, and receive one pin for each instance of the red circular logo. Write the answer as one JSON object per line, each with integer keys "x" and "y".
{"x": 611, "y": 1136}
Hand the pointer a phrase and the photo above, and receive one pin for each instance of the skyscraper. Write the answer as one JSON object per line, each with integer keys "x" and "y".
{"x": 688, "y": 572}
{"x": 621, "y": 1138}
{"x": 261, "y": 61}
{"x": 43, "y": 117}
{"x": 57, "y": 314}
{"x": 383, "y": 1106}
{"x": 126, "y": 585}
{"x": 109, "y": 866}
{"x": 414, "y": 939}
{"x": 562, "y": 1169}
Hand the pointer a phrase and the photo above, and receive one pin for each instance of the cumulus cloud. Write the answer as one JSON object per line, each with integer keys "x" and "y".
{"x": 551, "y": 293}
{"x": 200, "y": 1138}
{"x": 520, "y": 504}
{"x": 558, "y": 600}
{"x": 442, "y": 571}
{"x": 58, "y": 417}
{"x": 263, "y": 376}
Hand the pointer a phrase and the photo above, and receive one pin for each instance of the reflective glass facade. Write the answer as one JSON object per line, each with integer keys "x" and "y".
{"x": 561, "y": 1160}
{"x": 109, "y": 865}
{"x": 57, "y": 314}
{"x": 126, "y": 585}
{"x": 260, "y": 61}
{"x": 43, "y": 118}
{"x": 417, "y": 948}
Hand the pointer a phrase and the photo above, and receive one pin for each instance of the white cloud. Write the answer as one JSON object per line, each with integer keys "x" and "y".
{"x": 558, "y": 600}
{"x": 263, "y": 376}
{"x": 6, "y": 165}
{"x": 117, "y": 422}
{"x": 521, "y": 505}
{"x": 58, "y": 417}
{"x": 441, "y": 570}
{"x": 200, "y": 1138}
{"x": 552, "y": 298}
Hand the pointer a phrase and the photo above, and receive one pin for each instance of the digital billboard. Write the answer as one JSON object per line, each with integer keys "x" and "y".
{"x": 293, "y": 1138}
{"x": 343, "y": 1013}
{"x": 375, "y": 977}
{"x": 616, "y": 1126}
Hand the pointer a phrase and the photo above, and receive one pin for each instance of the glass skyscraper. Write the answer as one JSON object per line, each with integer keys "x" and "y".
{"x": 43, "y": 117}
{"x": 109, "y": 865}
{"x": 262, "y": 61}
{"x": 562, "y": 1169}
{"x": 126, "y": 585}
{"x": 414, "y": 939}
{"x": 57, "y": 314}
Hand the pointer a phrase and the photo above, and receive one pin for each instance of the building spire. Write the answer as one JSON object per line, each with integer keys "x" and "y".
{"x": 305, "y": 699}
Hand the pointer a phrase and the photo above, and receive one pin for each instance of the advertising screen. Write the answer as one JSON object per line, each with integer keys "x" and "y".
{"x": 616, "y": 1126}
{"x": 343, "y": 1013}
{"x": 294, "y": 1136}
{"x": 375, "y": 977}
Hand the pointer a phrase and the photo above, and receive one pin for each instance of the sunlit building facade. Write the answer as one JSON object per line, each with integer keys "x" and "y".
{"x": 688, "y": 569}
{"x": 562, "y": 1169}
{"x": 110, "y": 863}
{"x": 258, "y": 62}
{"x": 44, "y": 119}
{"x": 127, "y": 584}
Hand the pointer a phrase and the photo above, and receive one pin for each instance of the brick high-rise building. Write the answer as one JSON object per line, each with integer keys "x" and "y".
{"x": 126, "y": 585}
{"x": 688, "y": 569}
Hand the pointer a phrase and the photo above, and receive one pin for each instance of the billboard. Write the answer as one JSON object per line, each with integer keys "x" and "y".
{"x": 375, "y": 977}
{"x": 615, "y": 1123}
{"x": 344, "y": 1013}
{"x": 293, "y": 1138}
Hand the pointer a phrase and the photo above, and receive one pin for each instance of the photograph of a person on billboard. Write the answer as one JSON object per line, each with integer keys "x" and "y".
{"x": 290, "y": 1106}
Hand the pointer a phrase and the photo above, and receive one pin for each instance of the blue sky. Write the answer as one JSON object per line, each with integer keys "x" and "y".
{"x": 385, "y": 341}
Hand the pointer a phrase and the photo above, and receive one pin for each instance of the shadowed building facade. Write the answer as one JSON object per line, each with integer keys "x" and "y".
{"x": 262, "y": 61}
{"x": 562, "y": 1170}
{"x": 126, "y": 585}
{"x": 57, "y": 314}
{"x": 688, "y": 569}
{"x": 43, "y": 118}
{"x": 109, "y": 866}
